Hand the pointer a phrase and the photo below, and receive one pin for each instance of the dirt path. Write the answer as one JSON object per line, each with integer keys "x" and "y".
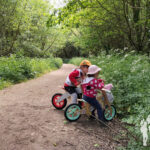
{"x": 29, "y": 122}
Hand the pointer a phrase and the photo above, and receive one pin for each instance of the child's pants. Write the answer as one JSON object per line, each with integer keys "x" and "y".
{"x": 96, "y": 104}
{"x": 74, "y": 97}
{"x": 73, "y": 91}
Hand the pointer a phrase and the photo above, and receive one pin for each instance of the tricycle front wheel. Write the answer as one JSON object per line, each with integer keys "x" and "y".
{"x": 73, "y": 112}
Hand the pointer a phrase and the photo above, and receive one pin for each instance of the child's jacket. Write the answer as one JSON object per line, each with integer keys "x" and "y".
{"x": 90, "y": 86}
{"x": 74, "y": 78}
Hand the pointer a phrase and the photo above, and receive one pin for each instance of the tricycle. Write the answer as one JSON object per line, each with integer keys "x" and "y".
{"x": 74, "y": 111}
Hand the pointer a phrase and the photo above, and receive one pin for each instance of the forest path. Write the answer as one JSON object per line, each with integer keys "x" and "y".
{"x": 28, "y": 121}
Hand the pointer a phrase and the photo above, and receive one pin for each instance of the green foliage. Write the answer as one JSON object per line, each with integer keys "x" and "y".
{"x": 130, "y": 75}
{"x": 16, "y": 69}
{"x": 104, "y": 25}
{"x": 23, "y": 28}
{"x": 4, "y": 84}
{"x": 67, "y": 51}
{"x": 76, "y": 60}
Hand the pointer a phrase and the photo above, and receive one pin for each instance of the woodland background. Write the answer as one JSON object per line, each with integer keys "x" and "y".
{"x": 114, "y": 34}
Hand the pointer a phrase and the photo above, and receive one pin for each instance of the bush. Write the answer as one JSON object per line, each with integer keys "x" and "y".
{"x": 4, "y": 84}
{"x": 45, "y": 64}
{"x": 14, "y": 69}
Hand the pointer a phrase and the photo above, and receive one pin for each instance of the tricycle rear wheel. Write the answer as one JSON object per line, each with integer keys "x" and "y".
{"x": 107, "y": 115}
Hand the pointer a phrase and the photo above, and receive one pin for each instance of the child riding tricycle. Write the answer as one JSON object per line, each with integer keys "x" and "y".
{"x": 87, "y": 95}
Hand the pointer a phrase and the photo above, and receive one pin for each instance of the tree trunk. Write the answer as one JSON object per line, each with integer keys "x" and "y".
{"x": 136, "y": 4}
{"x": 17, "y": 31}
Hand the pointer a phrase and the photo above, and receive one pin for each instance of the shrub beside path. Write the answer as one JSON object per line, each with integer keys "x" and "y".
{"x": 28, "y": 121}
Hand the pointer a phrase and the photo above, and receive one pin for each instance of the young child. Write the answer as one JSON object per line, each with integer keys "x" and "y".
{"x": 75, "y": 78}
{"x": 90, "y": 86}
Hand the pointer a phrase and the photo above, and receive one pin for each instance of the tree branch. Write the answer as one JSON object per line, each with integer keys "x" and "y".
{"x": 110, "y": 12}
{"x": 128, "y": 24}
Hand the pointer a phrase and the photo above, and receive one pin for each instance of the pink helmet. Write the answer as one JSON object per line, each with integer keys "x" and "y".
{"x": 93, "y": 69}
